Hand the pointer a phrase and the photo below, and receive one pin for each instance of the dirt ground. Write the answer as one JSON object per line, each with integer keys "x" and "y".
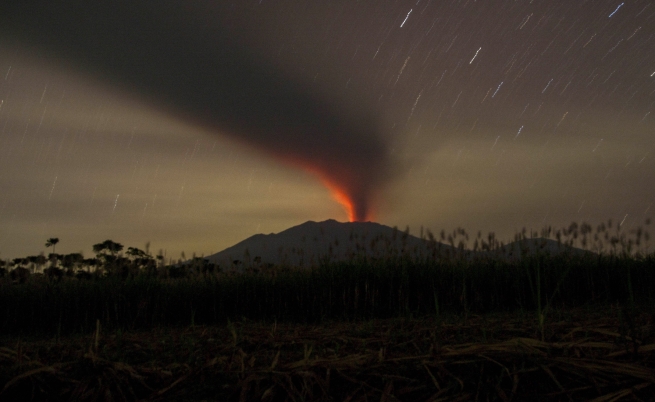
{"x": 597, "y": 353}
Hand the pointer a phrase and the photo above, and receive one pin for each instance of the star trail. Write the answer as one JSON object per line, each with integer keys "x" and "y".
{"x": 195, "y": 124}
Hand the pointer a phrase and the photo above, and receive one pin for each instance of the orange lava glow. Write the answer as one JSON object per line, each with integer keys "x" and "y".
{"x": 342, "y": 197}
{"x": 345, "y": 201}
{"x": 340, "y": 192}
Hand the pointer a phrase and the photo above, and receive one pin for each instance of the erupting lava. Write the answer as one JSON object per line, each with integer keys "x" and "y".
{"x": 354, "y": 196}
{"x": 355, "y": 212}
{"x": 208, "y": 77}
{"x": 347, "y": 203}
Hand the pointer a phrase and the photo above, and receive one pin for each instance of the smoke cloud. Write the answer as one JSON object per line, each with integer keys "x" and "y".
{"x": 179, "y": 56}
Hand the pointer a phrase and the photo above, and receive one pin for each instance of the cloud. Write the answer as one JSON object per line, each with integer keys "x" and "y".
{"x": 178, "y": 56}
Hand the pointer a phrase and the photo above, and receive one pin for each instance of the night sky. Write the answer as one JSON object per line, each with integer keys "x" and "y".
{"x": 191, "y": 125}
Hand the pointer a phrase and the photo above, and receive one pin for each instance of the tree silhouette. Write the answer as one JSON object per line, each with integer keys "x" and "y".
{"x": 107, "y": 246}
{"x": 107, "y": 252}
{"x": 36, "y": 262}
{"x": 136, "y": 253}
{"x": 51, "y": 242}
{"x": 72, "y": 261}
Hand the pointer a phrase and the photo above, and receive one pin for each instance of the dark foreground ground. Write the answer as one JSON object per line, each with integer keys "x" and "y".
{"x": 597, "y": 353}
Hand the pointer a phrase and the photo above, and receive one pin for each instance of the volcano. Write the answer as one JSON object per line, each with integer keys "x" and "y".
{"x": 312, "y": 243}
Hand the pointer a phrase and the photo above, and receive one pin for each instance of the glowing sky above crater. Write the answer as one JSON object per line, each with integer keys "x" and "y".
{"x": 195, "y": 125}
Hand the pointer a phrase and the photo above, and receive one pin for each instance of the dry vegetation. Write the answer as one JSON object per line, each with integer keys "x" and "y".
{"x": 496, "y": 325}
{"x": 586, "y": 355}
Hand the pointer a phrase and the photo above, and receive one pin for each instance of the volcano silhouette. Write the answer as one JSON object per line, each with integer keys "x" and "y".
{"x": 313, "y": 243}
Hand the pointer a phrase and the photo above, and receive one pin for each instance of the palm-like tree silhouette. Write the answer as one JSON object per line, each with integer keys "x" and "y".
{"x": 51, "y": 242}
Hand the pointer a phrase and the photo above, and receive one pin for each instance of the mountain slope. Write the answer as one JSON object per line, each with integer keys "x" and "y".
{"x": 309, "y": 243}
{"x": 517, "y": 249}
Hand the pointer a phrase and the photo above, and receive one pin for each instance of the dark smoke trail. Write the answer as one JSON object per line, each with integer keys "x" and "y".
{"x": 177, "y": 55}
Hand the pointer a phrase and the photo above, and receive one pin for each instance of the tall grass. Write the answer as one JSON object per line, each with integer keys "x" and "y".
{"x": 363, "y": 288}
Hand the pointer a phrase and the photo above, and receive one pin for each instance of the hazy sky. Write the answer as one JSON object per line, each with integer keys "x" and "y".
{"x": 195, "y": 124}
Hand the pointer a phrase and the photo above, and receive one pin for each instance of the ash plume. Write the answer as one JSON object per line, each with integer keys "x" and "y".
{"x": 178, "y": 56}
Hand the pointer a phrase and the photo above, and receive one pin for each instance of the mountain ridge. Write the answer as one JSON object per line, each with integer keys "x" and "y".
{"x": 309, "y": 243}
{"x": 312, "y": 243}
